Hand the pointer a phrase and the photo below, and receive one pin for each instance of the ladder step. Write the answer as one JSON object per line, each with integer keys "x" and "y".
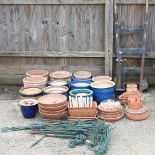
{"x": 132, "y": 70}
{"x": 132, "y": 51}
{"x": 127, "y": 31}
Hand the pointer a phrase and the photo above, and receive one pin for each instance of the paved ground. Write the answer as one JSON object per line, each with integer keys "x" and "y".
{"x": 128, "y": 138}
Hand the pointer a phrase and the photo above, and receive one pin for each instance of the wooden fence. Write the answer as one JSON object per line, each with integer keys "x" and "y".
{"x": 67, "y": 34}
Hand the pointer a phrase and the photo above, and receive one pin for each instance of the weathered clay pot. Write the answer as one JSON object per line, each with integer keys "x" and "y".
{"x": 134, "y": 101}
{"x": 124, "y": 97}
{"x": 131, "y": 87}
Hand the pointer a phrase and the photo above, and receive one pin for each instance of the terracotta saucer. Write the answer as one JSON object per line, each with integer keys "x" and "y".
{"x": 82, "y": 75}
{"x": 138, "y": 117}
{"x": 52, "y": 100}
{"x": 54, "y": 116}
{"x": 111, "y": 113}
{"x": 133, "y": 111}
{"x": 60, "y": 75}
{"x": 56, "y": 108}
{"x": 111, "y": 116}
{"x": 111, "y": 119}
{"x": 53, "y": 112}
{"x": 37, "y": 73}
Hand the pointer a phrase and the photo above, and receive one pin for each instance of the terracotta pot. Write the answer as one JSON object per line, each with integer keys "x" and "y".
{"x": 35, "y": 82}
{"x": 56, "y": 108}
{"x": 82, "y": 75}
{"x": 52, "y": 100}
{"x": 131, "y": 87}
{"x": 134, "y": 101}
{"x": 101, "y": 78}
{"x": 52, "y": 112}
{"x": 61, "y": 75}
{"x": 37, "y": 73}
{"x": 124, "y": 97}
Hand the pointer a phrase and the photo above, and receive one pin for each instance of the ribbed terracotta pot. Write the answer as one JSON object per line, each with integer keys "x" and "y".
{"x": 134, "y": 101}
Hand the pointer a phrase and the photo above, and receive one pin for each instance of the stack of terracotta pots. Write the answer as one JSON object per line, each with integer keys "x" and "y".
{"x": 110, "y": 110}
{"x": 134, "y": 109}
{"x": 53, "y": 106}
{"x": 132, "y": 99}
{"x": 36, "y": 78}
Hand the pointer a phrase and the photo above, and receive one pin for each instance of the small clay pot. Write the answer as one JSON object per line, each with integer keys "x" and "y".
{"x": 131, "y": 87}
{"x": 135, "y": 102}
{"x": 37, "y": 73}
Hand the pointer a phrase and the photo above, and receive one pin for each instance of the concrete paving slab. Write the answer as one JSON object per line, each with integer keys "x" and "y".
{"x": 128, "y": 137}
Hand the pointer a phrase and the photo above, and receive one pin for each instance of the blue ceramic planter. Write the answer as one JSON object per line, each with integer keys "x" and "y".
{"x": 101, "y": 94}
{"x": 29, "y": 111}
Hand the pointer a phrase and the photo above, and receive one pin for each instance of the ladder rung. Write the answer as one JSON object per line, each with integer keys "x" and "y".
{"x": 126, "y": 31}
{"x": 132, "y": 70}
{"x": 132, "y": 50}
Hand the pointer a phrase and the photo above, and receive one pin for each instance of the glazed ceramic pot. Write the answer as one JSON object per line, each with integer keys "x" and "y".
{"x": 135, "y": 102}
{"x": 131, "y": 87}
{"x": 101, "y": 78}
{"x": 29, "y": 110}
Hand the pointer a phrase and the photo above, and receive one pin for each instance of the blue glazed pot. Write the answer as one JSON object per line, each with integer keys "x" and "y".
{"x": 101, "y": 94}
{"x": 29, "y": 111}
{"x": 80, "y": 83}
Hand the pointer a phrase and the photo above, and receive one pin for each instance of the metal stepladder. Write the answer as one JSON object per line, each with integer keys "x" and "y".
{"x": 122, "y": 71}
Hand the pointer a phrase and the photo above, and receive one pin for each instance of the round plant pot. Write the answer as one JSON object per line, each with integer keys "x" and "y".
{"x": 103, "y": 90}
{"x": 131, "y": 87}
{"x": 82, "y": 75}
{"x": 101, "y": 78}
{"x": 29, "y": 111}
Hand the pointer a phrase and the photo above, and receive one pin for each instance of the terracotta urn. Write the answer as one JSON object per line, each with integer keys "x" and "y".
{"x": 135, "y": 101}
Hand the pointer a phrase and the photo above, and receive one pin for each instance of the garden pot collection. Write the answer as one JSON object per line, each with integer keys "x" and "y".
{"x": 78, "y": 95}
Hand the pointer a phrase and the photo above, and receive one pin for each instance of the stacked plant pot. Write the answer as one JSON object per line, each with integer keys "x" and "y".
{"x": 36, "y": 78}
{"x": 135, "y": 110}
{"x": 101, "y": 78}
{"x": 53, "y": 106}
{"x": 110, "y": 110}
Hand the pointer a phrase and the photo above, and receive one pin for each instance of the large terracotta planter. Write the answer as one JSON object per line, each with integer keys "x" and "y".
{"x": 134, "y": 101}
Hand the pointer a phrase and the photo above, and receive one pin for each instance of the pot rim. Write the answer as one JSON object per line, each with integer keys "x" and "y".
{"x": 36, "y": 102}
{"x": 54, "y": 76}
{"x": 109, "y": 78}
{"x": 22, "y": 94}
{"x": 44, "y": 73}
{"x": 81, "y": 90}
{"x": 97, "y": 82}
{"x": 42, "y": 80}
{"x": 50, "y": 87}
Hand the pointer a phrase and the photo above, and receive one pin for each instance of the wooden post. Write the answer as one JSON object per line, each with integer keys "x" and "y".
{"x": 108, "y": 37}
